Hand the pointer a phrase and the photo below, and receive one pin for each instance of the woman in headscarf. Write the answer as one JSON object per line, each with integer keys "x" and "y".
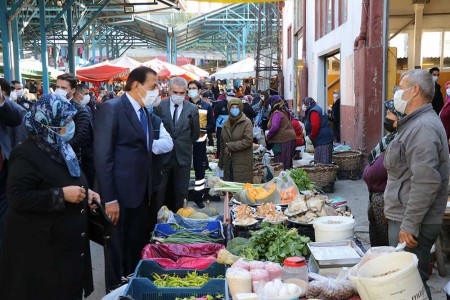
{"x": 46, "y": 241}
{"x": 262, "y": 108}
{"x": 236, "y": 154}
{"x": 318, "y": 130}
{"x": 375, "y": 176}
{"x": 281, "y": 134}
{"x": 445, "y": 112}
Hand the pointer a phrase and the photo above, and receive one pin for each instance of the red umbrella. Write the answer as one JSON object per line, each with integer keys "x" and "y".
{"x": 102, "y": 72}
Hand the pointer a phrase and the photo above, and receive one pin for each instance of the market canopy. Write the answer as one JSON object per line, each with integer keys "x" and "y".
{"x": 240, "y": 70}
{"x": 167, "y": 70}
{"x": 102, "y": 72}
{"x": 126, "y": 62}
{"x": 196, "y": 70}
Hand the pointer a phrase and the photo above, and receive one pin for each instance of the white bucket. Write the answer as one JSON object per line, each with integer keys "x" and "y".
{"x": 333, "y": 228}
{"x": 353, "y": 276}
{"x": 402, "y": 279}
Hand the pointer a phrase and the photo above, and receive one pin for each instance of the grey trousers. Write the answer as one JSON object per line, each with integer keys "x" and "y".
{"x": 427, "y": 236}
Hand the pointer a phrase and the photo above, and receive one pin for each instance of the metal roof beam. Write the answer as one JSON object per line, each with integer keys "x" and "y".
{"x": 93, "y": 17}
{"x": 16, "y": 8}
{"x": 58, "y": 17}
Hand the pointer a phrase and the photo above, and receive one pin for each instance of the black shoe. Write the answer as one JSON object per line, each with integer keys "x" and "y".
{"x": 199, "y": 204}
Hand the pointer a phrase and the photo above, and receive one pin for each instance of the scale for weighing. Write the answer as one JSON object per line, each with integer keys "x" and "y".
{"x": 328, "y": 258}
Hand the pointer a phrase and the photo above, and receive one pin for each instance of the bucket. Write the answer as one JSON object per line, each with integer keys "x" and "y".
{"x": 392, "y": 276}
{"x": 353, "y": 276}
{"x": 333, "y": 228}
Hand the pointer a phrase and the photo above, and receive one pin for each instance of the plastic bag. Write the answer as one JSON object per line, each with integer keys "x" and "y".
{"x": 175, "y": 252}
{"x": 115, "y": 294}
{"x": 447, "y": 289}
{"x": 308, "y": 145}
{"x": 375, "y": 252}
{"x": 191, "y": 223}
{"x": 286, "y": 187}
{"x": 256, "y": 132}
{"x": 330, "y": 288}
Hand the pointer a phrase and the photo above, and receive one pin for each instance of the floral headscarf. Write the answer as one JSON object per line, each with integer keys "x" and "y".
{"x": 46, "y": 118}
{"x": 309, "y": 102}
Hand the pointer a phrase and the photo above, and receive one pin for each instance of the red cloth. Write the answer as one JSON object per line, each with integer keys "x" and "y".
{"x": 314, "y": 118}
{"x": 103, "y": 72}
{"x": 445, "y": 118}
{"x": 299, "y": 140}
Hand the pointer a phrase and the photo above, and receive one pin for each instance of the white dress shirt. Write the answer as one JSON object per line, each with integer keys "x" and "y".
{"x": 137, "y": 107}
{"x": 164, "y": 144}
{"x": 172, "y": 109}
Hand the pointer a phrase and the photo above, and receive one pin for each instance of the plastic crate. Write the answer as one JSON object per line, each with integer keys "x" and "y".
{"x": 141, "y": 286}
{"x": 144, "y": 289}
{"x": 163, "y": 230}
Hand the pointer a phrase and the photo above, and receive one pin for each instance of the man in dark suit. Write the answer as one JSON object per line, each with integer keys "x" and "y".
{"x": 10, "y": 116}
{"x": 438, "y": 100}
{"x": 181, "y": 120}
{"x": 123, "y": 137}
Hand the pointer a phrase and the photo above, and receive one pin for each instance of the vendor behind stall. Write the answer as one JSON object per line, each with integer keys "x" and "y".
{"x": 236, "y": 153}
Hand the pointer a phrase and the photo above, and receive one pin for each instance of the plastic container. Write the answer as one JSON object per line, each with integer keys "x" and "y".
{"x": 295, "y": 267}
{"x": 392, "y": 276}
{"x": 141, "y": 286}
{"x": 163, "y": 230}
{"x": 333, "y": 228}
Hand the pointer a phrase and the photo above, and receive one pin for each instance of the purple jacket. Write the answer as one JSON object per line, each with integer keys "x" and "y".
{"x": 276, "y": 123}
{"x": 375, "y": 176}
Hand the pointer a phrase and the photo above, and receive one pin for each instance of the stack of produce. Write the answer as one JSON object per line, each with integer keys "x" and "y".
{"x": 306, "y": 208}
{"x": 205, "y": 213}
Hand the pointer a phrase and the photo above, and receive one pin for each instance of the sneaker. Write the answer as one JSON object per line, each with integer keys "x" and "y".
{"x": 199, "y": 204}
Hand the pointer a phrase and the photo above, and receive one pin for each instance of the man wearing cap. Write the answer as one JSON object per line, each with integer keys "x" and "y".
{"x": 200, "y": 159}
{"x": 221, "y": 115}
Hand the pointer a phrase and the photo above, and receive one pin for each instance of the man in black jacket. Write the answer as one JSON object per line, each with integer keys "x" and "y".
{"x": 438, "y": 100}
{"x": 207, "y": 126}
{"x": 66, "y": 88}
{"x": 10, "y": 116}
{"x": 21, "y": 100}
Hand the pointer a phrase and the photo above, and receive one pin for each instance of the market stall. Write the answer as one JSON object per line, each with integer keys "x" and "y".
{"x": 196, "y": 70}
{"x": 102, "y": 72}
{"x": 278, "y": 239}
{"x": 168, "y": 70}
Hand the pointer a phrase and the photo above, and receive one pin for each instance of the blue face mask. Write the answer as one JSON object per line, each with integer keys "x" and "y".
{"x": 235, "y": 111}
{"x": 70, "y": 131}
{"x": 149, "y": 109}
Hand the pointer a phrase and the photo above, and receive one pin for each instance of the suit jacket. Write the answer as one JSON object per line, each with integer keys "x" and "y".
{"x": 19, "y": 133}
{"x": 9, "y": 116}
{"x": 122, "y": 161}
{"x": 184, "y": 134}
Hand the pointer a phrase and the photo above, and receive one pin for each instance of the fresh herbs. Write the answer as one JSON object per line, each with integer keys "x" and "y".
{"x": 301, "y": 179}
{"x": 277, "y": 242}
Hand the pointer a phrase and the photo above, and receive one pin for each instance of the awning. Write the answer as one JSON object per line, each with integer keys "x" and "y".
{"x": 126, "y": 62}
{"x": 167, "y": 70}
{"x": 102, "y": 72}
{"x": 196, "y": 70}
{"x": 240, "y": 70}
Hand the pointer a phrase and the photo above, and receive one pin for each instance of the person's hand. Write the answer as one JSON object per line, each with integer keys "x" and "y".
{"x": 405, "y": 237}
{"x": 112, "y": 211}
{"x": 74, "y": 194}
{"x": 227, "y": 151}
{"x": 93, "y": 196}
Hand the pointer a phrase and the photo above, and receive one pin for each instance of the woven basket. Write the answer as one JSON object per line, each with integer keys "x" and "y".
{"x": 277, "y": 168}
{"x": 348, "y": 160}
{"x": 322, "y": 175}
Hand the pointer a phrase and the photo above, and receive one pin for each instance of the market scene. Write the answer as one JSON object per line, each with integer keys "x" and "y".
{"x": 224, "y": 149}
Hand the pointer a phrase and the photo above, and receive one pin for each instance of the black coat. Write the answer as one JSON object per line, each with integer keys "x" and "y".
{"x": 46, "y": 251}
{"x": 438, "y": 100}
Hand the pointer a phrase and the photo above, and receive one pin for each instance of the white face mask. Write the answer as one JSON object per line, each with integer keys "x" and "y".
{"x": 435, "y": 78}
{"x": 19, "y": 93}
{"x": 399, "y": 103}
{"x": 448, "y": 92}
{"x": 193, "y": 94}
{"x": 303, "y": 107}
{"x": 262, "y": 98}
{"x": 61, "y": 93}
{"x": 177, "y": 99}
{"x": 157, "y": 101}
{"x": 335, "y": 96}
{"x": 13, "y": 96}
{"x": 86, "y": 99}
{"x": 150, "y": 97}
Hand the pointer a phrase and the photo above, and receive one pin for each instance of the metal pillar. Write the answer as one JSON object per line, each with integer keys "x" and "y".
{"x": 418, "y": 25}
{"x": 93, "y": 44}
{"x": 70, "y": 41}
{"x": 108, "y": 56}
{"x": 168, "y": 49}
{"x": 5, "y": 40}
{"x": 174, "y": 43}
{"x": 15, "y": 44}
{"x": 45, "y": 79}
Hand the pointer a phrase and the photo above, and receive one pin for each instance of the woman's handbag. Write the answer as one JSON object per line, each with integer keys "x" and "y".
{"x": 100, "y": 225}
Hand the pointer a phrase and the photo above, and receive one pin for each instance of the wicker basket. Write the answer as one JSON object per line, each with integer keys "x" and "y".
{"x": 348, "y": 160}
{"x": 322, "y": 175}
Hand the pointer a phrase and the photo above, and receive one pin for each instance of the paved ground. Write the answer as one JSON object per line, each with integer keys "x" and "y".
{"x": 355, "y": 192}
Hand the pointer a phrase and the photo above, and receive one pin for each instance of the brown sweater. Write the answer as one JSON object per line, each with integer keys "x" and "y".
{"x": 285, "y": 131}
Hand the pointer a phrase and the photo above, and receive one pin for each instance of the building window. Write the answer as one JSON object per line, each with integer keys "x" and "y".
{"x": 400, "y": 42}
{"x": 330, "y": 14}
{"x": 289, "y": 41}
